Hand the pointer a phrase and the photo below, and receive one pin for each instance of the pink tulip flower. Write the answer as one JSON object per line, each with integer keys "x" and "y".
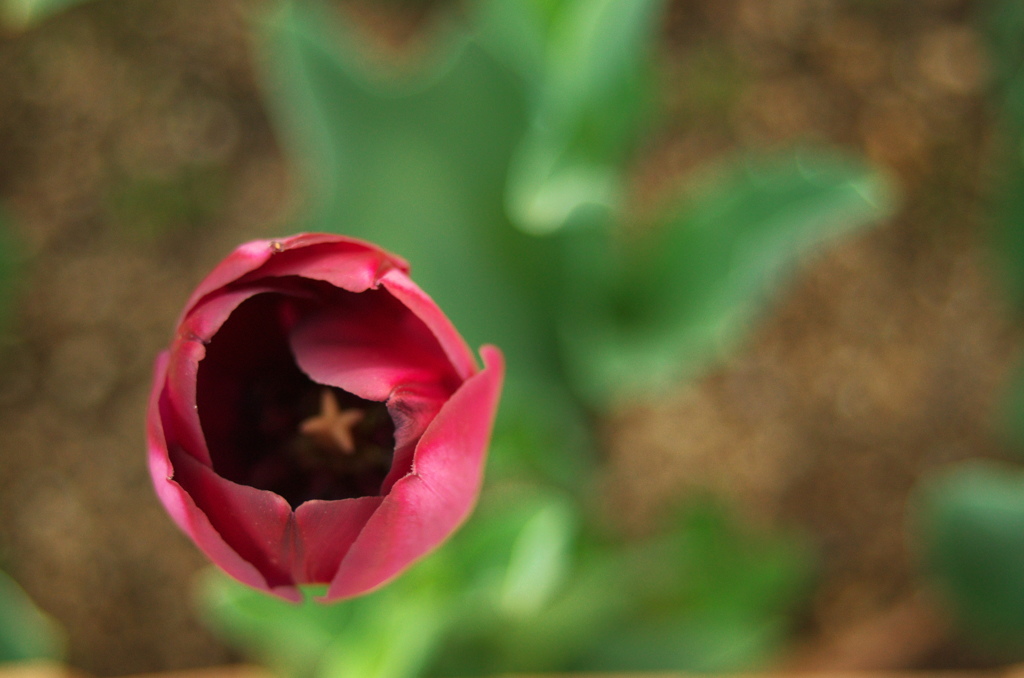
{"x": 317, "y": 419}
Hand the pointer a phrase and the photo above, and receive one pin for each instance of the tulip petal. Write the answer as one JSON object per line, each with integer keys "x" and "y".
{"x": 258, "y": 525}
{"x": 425, "y": 506}
{"x": 203, "y": 321}
{"x": 252, "y": 255}
{"x": 416, "y": 300}
{"x": 411, "y": 410}
{"x": 180, "y": 406}
{"x": 369, "y": 345}
{"x": 182, "y": 508}
{"x": 349, "y": 265}
{"x": 242, "y": 260}
{"x": 327, "y": 530}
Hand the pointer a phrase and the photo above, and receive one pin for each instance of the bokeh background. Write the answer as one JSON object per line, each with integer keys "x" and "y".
{"x": 136, "y": 149}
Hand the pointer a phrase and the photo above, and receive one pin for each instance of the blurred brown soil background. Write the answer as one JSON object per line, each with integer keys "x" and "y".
{"x": 883, "y": 360}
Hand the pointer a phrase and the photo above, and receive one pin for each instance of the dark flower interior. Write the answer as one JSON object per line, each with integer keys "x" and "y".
{"x": 270, "y": 426}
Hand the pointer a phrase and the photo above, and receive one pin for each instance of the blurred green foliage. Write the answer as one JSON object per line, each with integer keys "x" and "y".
{"x": 591, "y": 77}
{"x": 1003, "y": 23}
{"x": 25, "y": 632}
{"x": 706, "y": 595}
{"x": 525, "y": 586}
{"x": 971, "y": 524}
{"x": 678, "y": 298}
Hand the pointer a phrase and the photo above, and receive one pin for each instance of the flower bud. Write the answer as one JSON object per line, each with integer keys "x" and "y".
{"x": 317, "y": 419}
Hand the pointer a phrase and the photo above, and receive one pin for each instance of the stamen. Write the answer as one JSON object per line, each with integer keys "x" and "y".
{"x": 333, "y": 427}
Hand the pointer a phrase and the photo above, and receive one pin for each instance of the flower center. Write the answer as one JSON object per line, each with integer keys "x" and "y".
{"x": 343, "y": 451}
{"x": 271, "y": 427}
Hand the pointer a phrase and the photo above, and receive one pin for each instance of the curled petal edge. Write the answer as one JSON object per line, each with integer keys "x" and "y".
{"x": 251, "y": 256}
{"x": 416, "y": 300}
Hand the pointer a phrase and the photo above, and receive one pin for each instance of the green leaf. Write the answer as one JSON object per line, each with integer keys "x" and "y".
{"x": 698, "y": 644}
{"x": 1008, "y": 231}
{"x": 419, "y": 167}
{"x": 517, "y": 34}
{"x": 1003, "y": 24}
{"x": 708, "y": 595}
{"x": 1011, "y": 414}
{"x": 970, "y": 522}
{"x": 290, "y": 639}
{"x": 1003, "y": 31}
{"x": 350, "y": 639}
{"x": 532, "y": 592}
{"x": 680, "y": 298}
{"x": 395, "y": 639}
{"x": 539, "y": 561}
{"x": 595, "y": 86}
{"x": 543, "y": 436}
{"x": 25, "y": 632}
